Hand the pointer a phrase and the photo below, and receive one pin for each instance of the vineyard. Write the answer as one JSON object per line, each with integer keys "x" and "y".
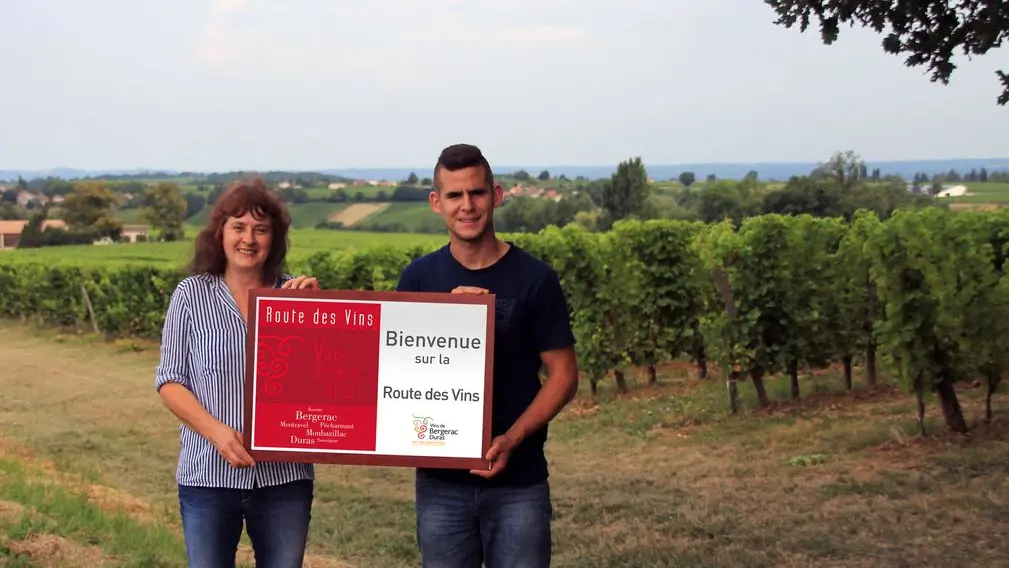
{"x": 923, "y": 294}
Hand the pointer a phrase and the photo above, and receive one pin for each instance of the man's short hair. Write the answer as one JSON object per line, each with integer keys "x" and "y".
{"x": 461, "y": 156}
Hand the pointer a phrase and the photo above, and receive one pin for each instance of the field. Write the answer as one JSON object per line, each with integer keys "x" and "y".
{"x": 772, "y": 459}
{"x": 406, "y": 217}
{"x": 357, "y": 212}
{"x": 664, "y": 477}
{"x": 304, "y": 242}
{"x": 984, "y": 192}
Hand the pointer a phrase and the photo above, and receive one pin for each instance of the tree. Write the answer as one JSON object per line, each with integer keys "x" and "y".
{"x": 625, "y": 193}
{"x": 165, "y": 209}
{"x": 412, "y": 179}
{"x": 844, "y": 168}
{"x": 544, "y": 176}
{"x": 927, "y": 31}
{"x": 88, "y": 209}
{"x": 687, "y": 178}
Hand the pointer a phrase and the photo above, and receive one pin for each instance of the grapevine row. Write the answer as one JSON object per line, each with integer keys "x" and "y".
{"x": 924, "y": 291}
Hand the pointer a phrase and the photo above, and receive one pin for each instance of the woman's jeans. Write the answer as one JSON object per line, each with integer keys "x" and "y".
{"x": 276, "y": 519}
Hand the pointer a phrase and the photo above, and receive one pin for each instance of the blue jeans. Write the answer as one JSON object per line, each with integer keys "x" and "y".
{"x": 276, "y": 518}
{"x": 502, "y": 527}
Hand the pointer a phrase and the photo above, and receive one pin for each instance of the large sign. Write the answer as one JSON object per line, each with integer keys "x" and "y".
{"x": 369, "y": 378}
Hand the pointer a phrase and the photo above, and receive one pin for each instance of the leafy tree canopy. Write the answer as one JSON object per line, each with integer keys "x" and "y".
{"x": 928, "y": 32}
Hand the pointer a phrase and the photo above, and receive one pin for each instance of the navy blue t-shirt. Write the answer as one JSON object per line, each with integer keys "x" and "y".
{"x": 531, "y": 316}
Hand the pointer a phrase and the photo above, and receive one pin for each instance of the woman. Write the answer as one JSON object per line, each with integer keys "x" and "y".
{"x": 201, "y": 378}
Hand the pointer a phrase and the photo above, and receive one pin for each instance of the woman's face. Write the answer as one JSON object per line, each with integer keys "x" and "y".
{"x": 246, "y": 242}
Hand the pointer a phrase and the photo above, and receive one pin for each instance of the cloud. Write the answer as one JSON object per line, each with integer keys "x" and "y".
{"x": 220, "y": 44}
{"x": 227, "y": 45}
{"x": 230, "y": 6}
{"x": 542, "y": 33}
{"x": 525, "y": 34}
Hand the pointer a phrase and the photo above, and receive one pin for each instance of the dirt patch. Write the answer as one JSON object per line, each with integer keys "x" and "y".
{"x": 836, "y": 400}
{"x": 53, "y": 551}
{"x": 105, "y": 498}
{"x": 357, "y": 213}
{"x": 9, "y": 510}
{"x": 918, "y": 446}
{"x": 11, "y": 449}
{"x": 50, "y": 551}
{"x": 109, "y": 499}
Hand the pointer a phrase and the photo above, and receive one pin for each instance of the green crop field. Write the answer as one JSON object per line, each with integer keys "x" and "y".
{"x": 408, "y": 216}
{"x": 306, "y": 215}
{"x": 304, "y": 242}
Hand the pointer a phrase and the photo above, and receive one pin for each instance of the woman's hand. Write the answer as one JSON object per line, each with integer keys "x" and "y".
{"x": 228, "y": 442}
{"x": 301, "y": 283}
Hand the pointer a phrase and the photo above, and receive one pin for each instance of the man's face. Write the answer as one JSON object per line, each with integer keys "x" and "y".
{"x": 465, "y": 202}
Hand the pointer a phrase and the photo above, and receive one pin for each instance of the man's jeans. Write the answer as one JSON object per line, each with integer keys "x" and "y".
{"x": 276, "y": 518}
{"x": 505, "y": 527}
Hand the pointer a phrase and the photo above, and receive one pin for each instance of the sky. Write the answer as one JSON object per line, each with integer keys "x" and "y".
{"x": 316, "y": 84}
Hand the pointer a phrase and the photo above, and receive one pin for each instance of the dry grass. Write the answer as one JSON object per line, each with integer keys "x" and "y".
{"x": 660, "y": 477}
{"x": 50, "y": 551}
{"x": 357, "y": 212}
{"x": 969, "y": 206}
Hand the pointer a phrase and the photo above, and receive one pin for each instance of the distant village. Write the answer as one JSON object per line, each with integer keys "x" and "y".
{"x": 515, "y": 191}
{"x": 10, "y": 230}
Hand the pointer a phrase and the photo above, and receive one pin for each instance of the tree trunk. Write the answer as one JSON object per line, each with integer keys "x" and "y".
{"x": 870, "y": 351}
{"x": 757, "y": 376}
{"x": 733, "y": 391}
{"x": 618, "y": 377}
{"x": 993, "y": 381}
{"x": 951, "y": 410}
{"x": 846, "y": 360}
{"x": 652, "y": 378}
{"x": 919, "y": 396}
{"x": 699, "y": 356}
{"x": 793, "y": 374}
{"x": 870, "y": 363}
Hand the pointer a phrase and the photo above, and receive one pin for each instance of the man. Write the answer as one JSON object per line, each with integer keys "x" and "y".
{"x": 500, "y": 516}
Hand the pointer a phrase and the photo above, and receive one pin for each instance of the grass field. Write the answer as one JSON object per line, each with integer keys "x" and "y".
{"x": 303, "y": 215}
{"x": 410, "y": 216}
{"x": 304, "y": 242}
{"x": 984, "y": 192}
{"x": 662, "y": 477}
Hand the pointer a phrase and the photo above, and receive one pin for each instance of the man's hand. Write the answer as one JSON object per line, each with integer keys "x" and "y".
{"x": 228, "y": 442}
{"x": 470, "y": 290}
{"x": 301, "y": 283}
{"x": 500, "y": 450}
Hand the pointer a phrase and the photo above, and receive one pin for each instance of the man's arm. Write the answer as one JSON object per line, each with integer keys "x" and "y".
{"x": 559, "y": 389}
{"x": 553, "y": 337}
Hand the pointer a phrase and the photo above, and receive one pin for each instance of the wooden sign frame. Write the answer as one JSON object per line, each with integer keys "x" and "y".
{"x": 252, "y": 419}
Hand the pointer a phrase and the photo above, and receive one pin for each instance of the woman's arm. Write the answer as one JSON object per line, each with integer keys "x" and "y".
{"x": 173, "y": 384}
{"x": 228, "y": 441}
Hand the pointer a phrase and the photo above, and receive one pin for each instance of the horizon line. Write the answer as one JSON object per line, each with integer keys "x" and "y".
{"x": 504, "y": 166}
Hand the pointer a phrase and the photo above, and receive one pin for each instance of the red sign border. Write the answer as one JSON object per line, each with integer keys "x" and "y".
{"x": 372, "y": 459}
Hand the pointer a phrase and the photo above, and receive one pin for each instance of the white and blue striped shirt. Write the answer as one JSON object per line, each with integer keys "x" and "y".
{"x": 203, "y": 348}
